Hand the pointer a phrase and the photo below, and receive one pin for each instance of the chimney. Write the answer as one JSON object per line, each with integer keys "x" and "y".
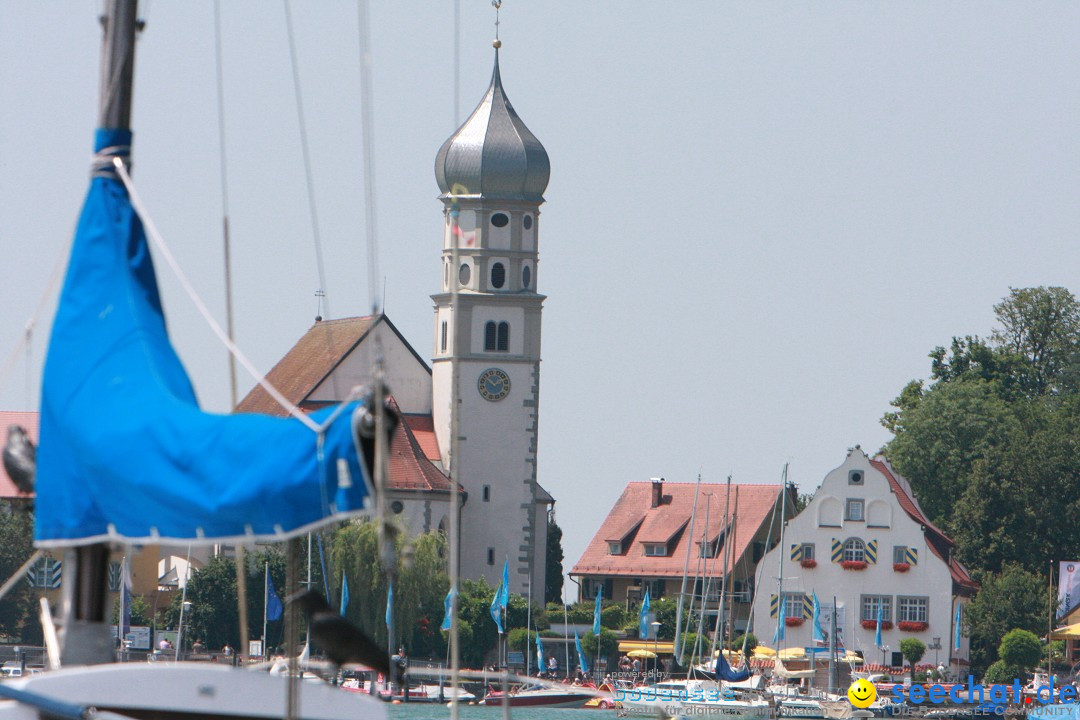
{"x": 657, "y": 491}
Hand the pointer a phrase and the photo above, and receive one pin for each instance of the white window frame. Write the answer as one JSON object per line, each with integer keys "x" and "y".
{"x": 868, "y": 605}
{"x": 808, "y": 551}
{"x": 911, "y": 608}
{"x": 850, "y": 505}
{"x": 854, "y": 549}
{"x": 793, "y": 605}
{"x": 655, "y": 549}
{"x": 614, "y": 548}
{"x": 899, "y": 554}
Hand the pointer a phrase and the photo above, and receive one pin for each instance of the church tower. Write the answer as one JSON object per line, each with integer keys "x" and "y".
{"x": 492, "y": 174}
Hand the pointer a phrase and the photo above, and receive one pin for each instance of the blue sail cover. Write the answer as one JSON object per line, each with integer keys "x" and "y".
{"x": 724, "y": 671}
{"x": 125, "y": 451}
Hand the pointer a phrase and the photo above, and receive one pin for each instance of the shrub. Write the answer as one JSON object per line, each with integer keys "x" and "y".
{"x": 1020, "y": 648}
{"x": 1001, "y": 672}
{"x": 913, "y": 650}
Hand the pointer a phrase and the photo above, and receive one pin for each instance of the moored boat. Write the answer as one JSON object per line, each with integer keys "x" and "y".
{"x": 536, "y": 696}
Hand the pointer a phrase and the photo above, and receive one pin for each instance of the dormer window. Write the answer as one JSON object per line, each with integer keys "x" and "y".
{"x": 709, "y": 549}
{"x": 655, "y": 549}
{"x": 614, "y": 548}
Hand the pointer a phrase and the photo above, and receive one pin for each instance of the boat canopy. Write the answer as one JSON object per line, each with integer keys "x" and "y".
{"x": 125, "y": 451}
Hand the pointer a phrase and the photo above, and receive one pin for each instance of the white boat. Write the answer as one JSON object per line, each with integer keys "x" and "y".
{"x": 541, "y": 696}
{"x": 184, "y": 691}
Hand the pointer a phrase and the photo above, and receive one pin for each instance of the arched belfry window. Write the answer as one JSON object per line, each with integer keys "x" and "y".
{"x": 497, "y": 336}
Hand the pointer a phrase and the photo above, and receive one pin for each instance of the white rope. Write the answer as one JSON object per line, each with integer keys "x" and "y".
{"x": 27, "y": 336}
{"x": 159, "y": 243}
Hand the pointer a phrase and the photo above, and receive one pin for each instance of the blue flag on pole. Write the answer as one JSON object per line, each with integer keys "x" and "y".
{"x": 344, "y": 593}
{"x": 390, "y": 608}
{"x": 781, "y": 622}
{"x": 819, "y": 635}
{"x": 597, "y": 610}
{"x": 643, "y": 619}
{"x": 582, "y": 663}
{"x": 877, "y": 635}
{"x": 504, "y": 594}
{"x": 496, "y": 608}
{"x": 274, "y": 608}
{"x": 957, "y": 618}
{"x": 448, "y": 604}
{"x": 539, "y": 652}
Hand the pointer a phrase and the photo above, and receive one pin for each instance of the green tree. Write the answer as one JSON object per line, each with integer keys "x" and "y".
{"x": 665, "y": 610}
{"x": 18, "y": 621}
{"x": 1040, "y": 326}
{"x": 609, "y": 644}
{"x": 420, "y": 587}
{"x": 553, "y": 572}
{"x": 1014, "y": 598}
{"x": 1020, "y": 648}
{"x": 913, "y": 650}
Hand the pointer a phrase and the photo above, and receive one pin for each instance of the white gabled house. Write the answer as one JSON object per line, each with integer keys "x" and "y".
{"x": 864, "y": 540}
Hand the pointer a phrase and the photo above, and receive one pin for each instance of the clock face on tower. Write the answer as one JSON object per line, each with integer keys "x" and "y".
{"x": 493, "y": 384}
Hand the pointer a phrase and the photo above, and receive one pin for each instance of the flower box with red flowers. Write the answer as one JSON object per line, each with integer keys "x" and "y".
{"x": 901, "y": 567}
{"x": 853, "y": 564}
{"x": 872, "y": 624}
{"x": 912, "y": 625}
{"x": 793, "y": 621}
{"x": 808, "y": 563}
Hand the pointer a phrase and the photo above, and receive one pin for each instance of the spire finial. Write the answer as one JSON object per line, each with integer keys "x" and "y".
{"x": 496, "y": 43}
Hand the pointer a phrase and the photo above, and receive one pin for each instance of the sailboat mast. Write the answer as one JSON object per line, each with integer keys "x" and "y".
{"x": 723, "y": 577}
{"x": 780, "y": 560}
{"x": 87, "y": 637}
{"x": 685, "y": 570}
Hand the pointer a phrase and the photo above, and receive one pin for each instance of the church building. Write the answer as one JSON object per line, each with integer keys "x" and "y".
{"x": 492, "y": 173}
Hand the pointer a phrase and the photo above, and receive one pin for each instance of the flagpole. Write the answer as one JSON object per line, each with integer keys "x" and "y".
{"x": 566, "y": 628}
{"x": 120, "y": 620}
{"x": 528, "y": 626}
{"x": 266, "y": 601}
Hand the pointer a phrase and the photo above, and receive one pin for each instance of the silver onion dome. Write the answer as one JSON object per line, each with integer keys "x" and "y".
{"x": 493, "y": 155}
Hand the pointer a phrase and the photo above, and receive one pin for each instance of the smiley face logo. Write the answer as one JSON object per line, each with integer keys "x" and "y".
{"x": 861, "y": 693}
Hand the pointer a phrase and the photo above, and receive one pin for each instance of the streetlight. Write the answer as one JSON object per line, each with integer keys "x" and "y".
{"x": 185, "y": 607}
{"x": 656, "y": 648}
{"x": 935, "y": 646}
{"x": 884, "y": 651}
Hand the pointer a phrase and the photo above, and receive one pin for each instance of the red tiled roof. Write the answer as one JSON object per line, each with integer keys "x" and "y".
{"x": 940, "y": 543}
{"x": 307, "y": 364}
{"x": 670, "y": 519}
{"x": 28, "y": 420}
{"x": 410, "y": 468}
{"x": 423, "y": 429}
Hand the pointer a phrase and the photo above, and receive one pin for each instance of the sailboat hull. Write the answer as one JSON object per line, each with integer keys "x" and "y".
{"x": 188, "y": 691}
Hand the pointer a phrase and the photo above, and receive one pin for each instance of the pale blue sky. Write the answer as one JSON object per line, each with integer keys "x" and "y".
{"x": 761, "y": 216}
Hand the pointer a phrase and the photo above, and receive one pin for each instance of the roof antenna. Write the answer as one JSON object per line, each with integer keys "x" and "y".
{"x": 320, "y": 294}
{"x": 497, "y": 4}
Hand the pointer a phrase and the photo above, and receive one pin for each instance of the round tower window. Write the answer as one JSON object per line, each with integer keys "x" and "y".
{"x": 397, "y": 506}
{"x": 526, "y": 276}
{"x": 498, "y": 275}
{"x": 527, "y": 222}
{"x": 499, "y": 219}
{"x": 464, "y": 274}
